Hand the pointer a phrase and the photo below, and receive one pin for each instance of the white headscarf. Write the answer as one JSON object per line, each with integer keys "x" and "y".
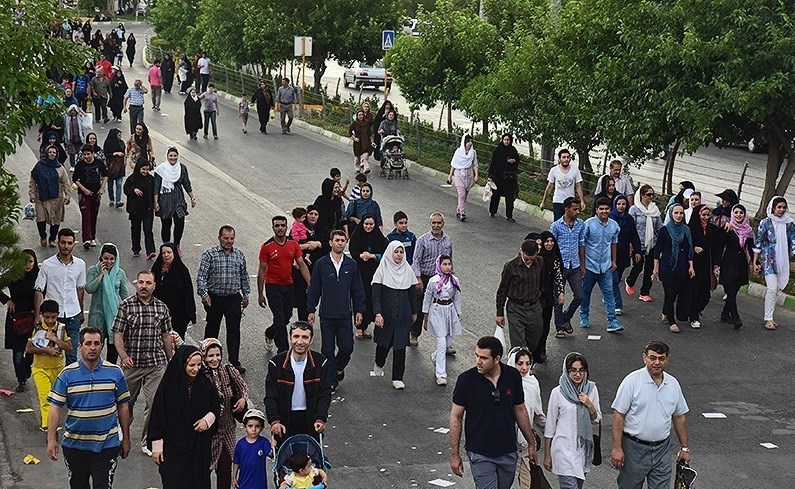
{"x": 782, "y": 246}
{"x": 398, "y": 276}
{"x": 461, "y": 159}
{"x": 532, "y": 392}
{"x": 650, "y": 212}
{"x": 169, "y": 174}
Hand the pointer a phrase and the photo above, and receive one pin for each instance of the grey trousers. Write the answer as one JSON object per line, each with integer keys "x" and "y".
{"x": 493, "y": 472}
{"x": 644, "y": 463}
{"x": 146, "y": 379}
{"x": 525, "y": 325}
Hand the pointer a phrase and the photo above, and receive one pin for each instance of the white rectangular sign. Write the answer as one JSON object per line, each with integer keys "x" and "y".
{"x": 303, "y": 46}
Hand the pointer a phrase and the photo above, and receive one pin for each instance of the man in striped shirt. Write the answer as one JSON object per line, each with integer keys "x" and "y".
{"x": 429, "y": 246}
{"x": 96, "y": 397}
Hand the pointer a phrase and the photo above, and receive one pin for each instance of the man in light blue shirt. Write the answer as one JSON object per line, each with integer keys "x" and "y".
{"x": 600, "y": 240}
{"x": 568, "y": 232}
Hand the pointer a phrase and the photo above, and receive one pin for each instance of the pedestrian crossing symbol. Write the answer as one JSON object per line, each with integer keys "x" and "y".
{"x": 387, "y": 40}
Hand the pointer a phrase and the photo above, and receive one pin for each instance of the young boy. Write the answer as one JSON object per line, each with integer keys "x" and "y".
{"x": 356, "y": 192}
{"x": 304, "y": 473}
{"x": 336, "y": 175}
{"x": 248, "y": 465}
{"x": 47, "y": 344}
{"x": 401, "y": 233}
{"x": 242, "y": 111}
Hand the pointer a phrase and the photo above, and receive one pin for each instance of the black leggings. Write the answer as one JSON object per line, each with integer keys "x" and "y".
{"x": 546, "y": 317}
{"x": 398, "y": 360}
{"x": 730, "y": 307}
{"x": 42, "y": 226}
{"x": 676, "y": 289}
{"x": 507, "y": 188}
{"x": 165, "y": 229}
{"x": 22, "y": 363}
{"x": 645, "y": 265}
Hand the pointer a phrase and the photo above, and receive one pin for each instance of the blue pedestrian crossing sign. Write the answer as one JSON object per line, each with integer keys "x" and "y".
{"x": 387, "y": 40}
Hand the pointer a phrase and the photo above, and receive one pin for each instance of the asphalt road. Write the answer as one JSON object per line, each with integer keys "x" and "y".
{"x": 380, "y": 437}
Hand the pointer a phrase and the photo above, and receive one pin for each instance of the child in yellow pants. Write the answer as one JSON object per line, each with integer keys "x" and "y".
{"x": 47, "y": 343}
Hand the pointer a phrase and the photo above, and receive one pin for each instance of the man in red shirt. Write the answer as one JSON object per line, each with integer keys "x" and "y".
{"x": 276, "y": 259}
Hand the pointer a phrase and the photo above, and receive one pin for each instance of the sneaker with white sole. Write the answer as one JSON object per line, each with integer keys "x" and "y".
{"x": 619, "y": 311}
{"x": 441, "y": 381}
{"x": 673, "y": 328}
{"x": 269, "y": 344}
{"x": 695, "y": 324}
{"x": 398, "y": 384}
{"x": 377, "y": 371}
{"x": 146, "y": 451}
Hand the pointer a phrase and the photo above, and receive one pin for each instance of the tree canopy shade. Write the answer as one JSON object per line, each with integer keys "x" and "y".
{"x": 454, "y": 47}
{"x": 26, "y": 52}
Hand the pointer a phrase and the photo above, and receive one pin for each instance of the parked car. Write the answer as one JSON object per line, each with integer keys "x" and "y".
{"x": 361, "y": 74}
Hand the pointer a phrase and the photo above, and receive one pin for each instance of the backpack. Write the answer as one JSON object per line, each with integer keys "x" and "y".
{"x": 81, "y": 85}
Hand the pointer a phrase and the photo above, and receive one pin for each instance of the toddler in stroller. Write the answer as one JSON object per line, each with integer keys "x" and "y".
{"x": 300, "y": 463}
{"x": 393, "y": 159}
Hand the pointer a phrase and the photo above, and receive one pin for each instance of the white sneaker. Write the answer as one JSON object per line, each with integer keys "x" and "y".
{"x": 441, "y": 381}
{"x": 619, "y": 312}
{"x": 377, "y": 371}
{"x": 146, "y": 451}
{"x": 93, "y": 242}
{"x": 269, "y": 344}
{"x": 695, "y": 324}
{"x": 398, "y": 384}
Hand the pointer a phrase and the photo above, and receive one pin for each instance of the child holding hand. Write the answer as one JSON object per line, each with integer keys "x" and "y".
{"x": 248, "y": 465}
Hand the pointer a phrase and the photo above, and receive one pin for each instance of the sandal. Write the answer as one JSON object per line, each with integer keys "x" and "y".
{"x": 366, "y": 335}
{"x": 560, "y": 334}
{"x": 770, "y": 325}
{"x": 359, "y": 335}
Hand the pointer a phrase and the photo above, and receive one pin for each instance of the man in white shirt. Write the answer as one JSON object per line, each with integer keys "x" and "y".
{"x": 62, "y": 278}
{"x": 292, "y": 406}
{"x": 204, "y": 71}
{"x": 564, "y": 179}
{"x": 647, "y": 403}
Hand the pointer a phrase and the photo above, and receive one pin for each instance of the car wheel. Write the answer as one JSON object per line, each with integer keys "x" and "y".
{"x": 356, "y": 83}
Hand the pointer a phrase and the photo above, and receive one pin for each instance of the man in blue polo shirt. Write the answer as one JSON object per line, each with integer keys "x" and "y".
{"x": 91, "y": 436}
{"x": 491, "y": 395}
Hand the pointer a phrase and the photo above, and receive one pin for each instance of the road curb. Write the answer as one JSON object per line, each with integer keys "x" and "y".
{"x": 753, "y": 289}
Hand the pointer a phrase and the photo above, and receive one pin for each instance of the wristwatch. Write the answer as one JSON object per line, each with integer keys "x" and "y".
{"x": 684, "y": 449}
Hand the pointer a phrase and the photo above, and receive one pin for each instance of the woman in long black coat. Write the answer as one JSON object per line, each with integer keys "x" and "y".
{"x": 504, "y": 172}
{"x": 183, "y": 422}
{"x": 367, "y": 246}
{"x": 193, "y": 114}
{"x": 167, "y": 71}
{"x": 263, "y": 98}
{"x": 705, "y": 243}
{"x": 20, "y": 300}
{"x": 118, "y": 87}
{"x": 733, "y": 258}
{"x": 175, "y": 287}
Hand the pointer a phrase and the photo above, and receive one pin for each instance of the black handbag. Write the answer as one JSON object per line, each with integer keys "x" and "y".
{"x": 537, "y": 478}
{"x": 597, "y": 447}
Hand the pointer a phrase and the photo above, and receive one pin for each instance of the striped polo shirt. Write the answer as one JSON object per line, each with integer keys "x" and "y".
{"x": 92, "y": 422}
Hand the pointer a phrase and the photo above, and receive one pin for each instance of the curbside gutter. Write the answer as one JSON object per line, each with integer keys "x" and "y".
{"x": 753, "y": 289}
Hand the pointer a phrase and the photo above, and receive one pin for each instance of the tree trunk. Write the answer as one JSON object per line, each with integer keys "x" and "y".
{"x": 449, "y": 118}
{"x": 319, "y": 65}
{"x": 775, "y": 159}
{"x": 668, "y": 176}
{"x": 485, "y": 128}
{"x": 583, "y": 154}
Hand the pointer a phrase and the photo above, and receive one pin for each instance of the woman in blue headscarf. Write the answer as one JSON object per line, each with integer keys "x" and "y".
{"x": 107, "y": 284}
{"x": 364, "y": 205}
{"x": 568, "y": 435}
{"x": 628, "y": 249}
{"x": 49, "y": 189}
{"x": 673, "y": 264}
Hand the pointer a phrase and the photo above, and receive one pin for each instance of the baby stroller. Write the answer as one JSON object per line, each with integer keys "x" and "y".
{"x": 393, "y": 159}
{"x": 298, "y": 443}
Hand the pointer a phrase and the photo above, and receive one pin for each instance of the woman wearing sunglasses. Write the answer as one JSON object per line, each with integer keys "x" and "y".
{"x": 571, "y": 413}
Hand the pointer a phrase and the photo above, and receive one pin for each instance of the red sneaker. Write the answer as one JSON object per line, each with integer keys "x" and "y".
{"x": 151, "y": 256}
{"x": 628, "y": 288}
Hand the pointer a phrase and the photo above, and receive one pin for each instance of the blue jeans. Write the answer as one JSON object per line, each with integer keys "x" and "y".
{"x": 117, "y": 186}
{"x": 337, "y": 334}
{"x": 616, "y": 287}
{"x": 605, "y": 281}
{"x": 571, "y": 275}
{"x": 493, "y": 472}
{"x": 73, "y": 330}
{"x": 209, "y": 117}
{"x": 570, "y": 482}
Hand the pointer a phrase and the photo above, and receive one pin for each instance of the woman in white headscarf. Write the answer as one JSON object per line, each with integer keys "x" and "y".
{"x": 521, "y": 359}
{"x": 775, "y": 244}
{"x": 171, "y": 179}
{"x": 463, "y": 173}
{"x": 648, "y": 223}
{"x": 395, "y": 307}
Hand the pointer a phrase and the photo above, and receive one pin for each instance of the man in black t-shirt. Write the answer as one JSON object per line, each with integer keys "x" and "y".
{"x": 90, "y": 176}
{"x": 491, "y": 395}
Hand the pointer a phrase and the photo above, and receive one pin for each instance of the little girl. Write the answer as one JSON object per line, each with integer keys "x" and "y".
{"x": 442, "y": 309}
{"x": 299, "y": 232}
{"x": 242, "y": 111}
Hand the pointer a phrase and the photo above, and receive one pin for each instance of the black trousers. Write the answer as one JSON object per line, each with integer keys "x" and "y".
{"x": 676, "y": 289}
{"x": 280, "y": 301}
{"x": 507, "y": 188}
{"x": 416, "y": 328}
{"x": 228, "y": 307}
{"x": 84, "y": 465}
{"x": 398, "y": 360}
{"x": 730, "y": 306}
{"x": 645, "y": 265}
{"x": 548, "y": 306}
{"x": 264, "y": 115}
{"x": 165, "y": 229}
{"x": 42, "y": 226}
{"x": 22, "y": 364}
{"x": 100, "y": 108}
{"x": 145, "y": 221}
{"x": 700, "y": 294}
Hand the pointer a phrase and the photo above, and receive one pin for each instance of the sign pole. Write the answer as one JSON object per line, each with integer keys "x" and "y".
{"x": 303, "y": 69}
{"x": 385, "y": 74}
{"x": 387, "y": 42}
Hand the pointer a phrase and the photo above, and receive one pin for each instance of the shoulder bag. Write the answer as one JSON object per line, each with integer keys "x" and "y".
{"x": 22, "y": 323}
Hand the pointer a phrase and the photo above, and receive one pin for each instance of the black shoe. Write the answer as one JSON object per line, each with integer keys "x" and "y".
{"x": 340, "y": 375}
{"x": 240, "y": 369}
{"x": 491, "y": 215}
{"x": 510, "y": 219}
{"x": 725, "y": 318}
{"x": 21, "y": 386}
{"x": 463, "y": 217}
{"x": 539, "y": 358}
{"x": 738, "y": 323}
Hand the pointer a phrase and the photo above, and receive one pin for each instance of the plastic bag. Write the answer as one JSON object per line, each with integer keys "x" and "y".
{"x": 499, "y": 333}
{"x": 87, "y": 122}
{"x": 486, "y": 193}
{"x": 29, "y": 212}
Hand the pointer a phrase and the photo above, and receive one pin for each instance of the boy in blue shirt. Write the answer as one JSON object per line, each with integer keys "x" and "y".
{"x": 248, "y": 465}
{"x": 401, "y": 233}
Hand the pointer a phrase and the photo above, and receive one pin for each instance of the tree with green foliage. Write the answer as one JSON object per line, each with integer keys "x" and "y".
{"x": 175, "y": 22}
{"x": 25, "y": 53}
{"x": 454, "y": 47}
